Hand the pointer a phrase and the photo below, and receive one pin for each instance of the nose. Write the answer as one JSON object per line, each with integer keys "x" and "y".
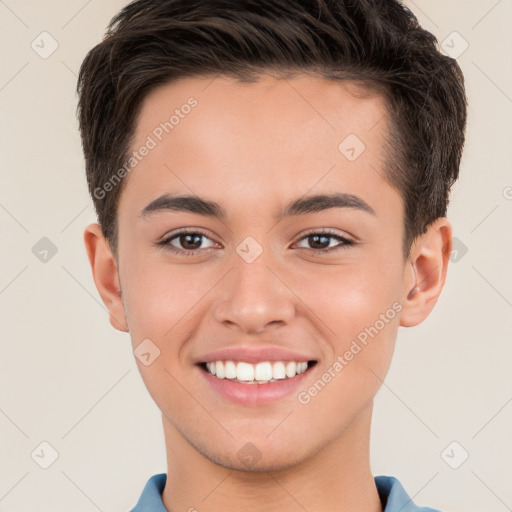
{"x": 254, "y": 297}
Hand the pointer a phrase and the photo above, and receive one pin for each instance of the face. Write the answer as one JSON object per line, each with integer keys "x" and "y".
{"x": 267, "y": 277}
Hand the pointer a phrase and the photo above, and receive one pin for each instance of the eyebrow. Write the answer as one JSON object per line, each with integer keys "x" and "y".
{"x": 300, "y": 206}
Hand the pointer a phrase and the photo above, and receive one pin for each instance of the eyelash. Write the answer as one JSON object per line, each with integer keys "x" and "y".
{"x": 344, "y": 242}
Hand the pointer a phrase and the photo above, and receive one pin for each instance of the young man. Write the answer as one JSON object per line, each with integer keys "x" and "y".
{"x": 271, "y": 180}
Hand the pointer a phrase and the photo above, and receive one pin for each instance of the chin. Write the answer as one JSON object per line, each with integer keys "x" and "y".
{"x": 253, "y": 456}
{"x": 254, "y": 461}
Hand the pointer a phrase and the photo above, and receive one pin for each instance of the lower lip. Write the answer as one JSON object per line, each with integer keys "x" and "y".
{"x": 255, "y": 394}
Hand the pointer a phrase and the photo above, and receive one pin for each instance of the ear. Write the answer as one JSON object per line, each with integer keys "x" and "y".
{"x": 105, "y": 274}
{"x": 426, "y": 272}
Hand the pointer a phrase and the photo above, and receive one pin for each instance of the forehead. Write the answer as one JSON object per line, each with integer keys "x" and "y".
{"x": 286, "y": 107}
{"x": 271, "y": 138}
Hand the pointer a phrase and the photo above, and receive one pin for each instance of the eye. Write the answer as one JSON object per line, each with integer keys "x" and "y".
{"x": 320, "y": 241}
{"x": 189, "y": 242}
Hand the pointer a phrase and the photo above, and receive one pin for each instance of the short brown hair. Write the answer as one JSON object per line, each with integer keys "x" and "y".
{"x": 378, "y": 44}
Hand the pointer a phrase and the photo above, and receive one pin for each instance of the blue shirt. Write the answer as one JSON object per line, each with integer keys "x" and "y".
{"x": 392, "y": 496}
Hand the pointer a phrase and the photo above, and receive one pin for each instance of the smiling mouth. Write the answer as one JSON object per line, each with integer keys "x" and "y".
{"x": 264, "y": 372}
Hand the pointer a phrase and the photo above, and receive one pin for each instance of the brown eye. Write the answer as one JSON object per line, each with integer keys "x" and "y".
{"x": 188, "y": 243}
{"x": 321, "y": 242}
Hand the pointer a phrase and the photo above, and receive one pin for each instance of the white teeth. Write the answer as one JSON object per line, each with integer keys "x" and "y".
{"x": 260, "y": 373}
{"x": 278, "y": 370}
{"x": 230, "y": 368}
{"x": 302, "y": 367}
{"x": 291, "y": 369}
{"x": 244, "y": 371}
{"x": 219, "y": 370}
{"x": 263, "y": 371}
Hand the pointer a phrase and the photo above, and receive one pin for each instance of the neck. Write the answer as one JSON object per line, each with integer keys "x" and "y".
{"x": 336, "y": 478}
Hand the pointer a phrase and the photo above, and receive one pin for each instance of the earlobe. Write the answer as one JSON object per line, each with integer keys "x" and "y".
{"x": 427, "y": 266}
{"x": 105, "y": 275}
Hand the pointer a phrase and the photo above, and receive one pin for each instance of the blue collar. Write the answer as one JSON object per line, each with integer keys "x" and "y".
{"x": 391, "y": 493}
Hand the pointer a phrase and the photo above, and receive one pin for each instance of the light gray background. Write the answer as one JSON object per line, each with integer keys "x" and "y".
{"x": 68, "y": 378}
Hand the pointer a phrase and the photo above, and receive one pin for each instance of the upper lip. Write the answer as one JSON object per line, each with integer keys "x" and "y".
{"x": 251, "y": 354}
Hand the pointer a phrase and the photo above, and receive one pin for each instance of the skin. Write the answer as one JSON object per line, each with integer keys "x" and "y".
{"x": 253, "y": 148}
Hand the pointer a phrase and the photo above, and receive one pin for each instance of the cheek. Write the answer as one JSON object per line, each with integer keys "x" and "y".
{"x": 348, "y": 300}
{"x": 362, "y": 316}
{"x": 159, "y": 297}
{"x": 159, "y": 302}
{"x": 360, "y": 308}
